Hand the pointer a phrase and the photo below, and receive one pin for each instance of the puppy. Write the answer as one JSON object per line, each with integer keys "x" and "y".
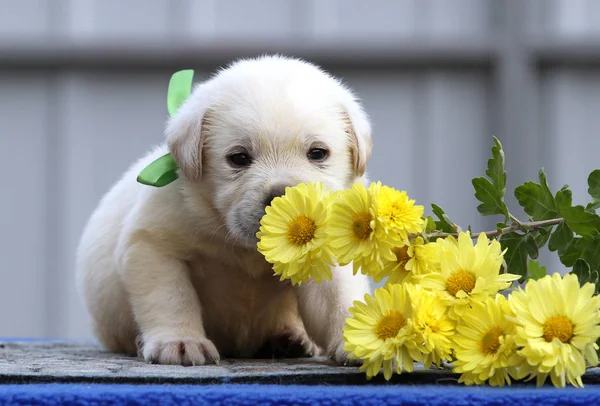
{"x": 173, "y": 273}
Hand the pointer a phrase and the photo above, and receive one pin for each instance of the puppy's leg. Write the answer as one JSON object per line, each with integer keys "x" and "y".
{"x": 166, "y": 308}
{"x": 324, "y": 308}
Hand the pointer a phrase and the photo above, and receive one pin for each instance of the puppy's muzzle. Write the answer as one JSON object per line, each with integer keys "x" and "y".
{"x": 248, "y": 218}
{"x": 275, "y": 191}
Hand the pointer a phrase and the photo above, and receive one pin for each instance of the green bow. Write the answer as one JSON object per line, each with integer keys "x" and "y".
{"x": 163, "y": 170}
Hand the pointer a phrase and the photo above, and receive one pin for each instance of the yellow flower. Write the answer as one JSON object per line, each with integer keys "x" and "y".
{"x": 433, "y": 326}
{"x": 411, "y": 263}
{"x": 380, "y": 332}
{"x": 557, "y": 328}
{"x": 293, "y": 233}
{"x": 370, "y": 265}
{"x": 467, "y": 273}
{"x": 485, "y": 348}
{"x": 316, "y": 266}
{"x": 356, "y": 234}
{"x": 396, "y": 212}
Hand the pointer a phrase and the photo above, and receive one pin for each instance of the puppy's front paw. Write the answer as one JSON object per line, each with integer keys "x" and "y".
{"x": 339, "y": 355}
{"x": 184, "y": 351}
{"x": 289, "y": 343}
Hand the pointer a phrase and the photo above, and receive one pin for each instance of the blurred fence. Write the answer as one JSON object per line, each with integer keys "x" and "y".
{"x": 83, "y": 86}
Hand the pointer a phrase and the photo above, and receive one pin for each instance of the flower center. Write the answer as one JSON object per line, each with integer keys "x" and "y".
{"x": 460, "y": 280}
{"x": 490, "y": 342}
{"x": 558, "y": 327}
{"x": 301, "y": 230}
{"x": 361, "y": 225}
{"x": 402, "y": 256}
{"x": 431, "y": 322}
{"x": 389, "y": 325}
{"x": 391, "y": 213}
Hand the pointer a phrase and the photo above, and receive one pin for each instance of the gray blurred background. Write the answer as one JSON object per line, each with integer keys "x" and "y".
{"x": 83, "y": 87}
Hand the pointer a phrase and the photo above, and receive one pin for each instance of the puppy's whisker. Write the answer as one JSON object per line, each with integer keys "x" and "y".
{"x": 221, "y": 225}
{"x": 228, "y": 237}
{"x": 237, "y": 238}
{"x": 216, "y": 229}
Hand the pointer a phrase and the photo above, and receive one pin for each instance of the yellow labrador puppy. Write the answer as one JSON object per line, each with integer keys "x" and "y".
{"x": 173, "y": 273}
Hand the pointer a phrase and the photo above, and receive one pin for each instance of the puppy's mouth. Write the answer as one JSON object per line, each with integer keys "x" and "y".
{"x": 246, "y": 229}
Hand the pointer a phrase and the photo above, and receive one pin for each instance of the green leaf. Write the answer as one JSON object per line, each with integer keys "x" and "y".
{"x": 160, "y": 172}
{"x": 594, "y": 190}
{"x": 579, "y": 220}
{"x": 444, "y": 224}
{"x": 582, "y": 270}
{"x": 492, "y": 203}
{"x": 180, "y": 88}
{"x": 490, "y": 192}
{"x": 537, "y": 200}
{"x": 586, "y": 275}
{"x": 587, "y": 249}
{"x": 430, "y": 228}
{"x": 594, "y": 184}
{"x": 593, "y": 205}
{"x": 541, "y": 236}
{"x": 561, "y": 237}
{"x": 535, "y": 270}
{"x": 532, "y": 248}
{"x": 516, "y": 254}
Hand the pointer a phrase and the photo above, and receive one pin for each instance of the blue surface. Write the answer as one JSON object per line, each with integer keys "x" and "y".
{"x": 82, "y": 394}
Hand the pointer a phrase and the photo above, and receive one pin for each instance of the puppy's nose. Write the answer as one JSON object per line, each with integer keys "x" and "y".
{"x": 276, "y": 191}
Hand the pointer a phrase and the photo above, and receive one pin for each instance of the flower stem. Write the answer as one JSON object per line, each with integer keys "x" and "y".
{"x": 514, "y": 219}
{"x": 516, "y": 226}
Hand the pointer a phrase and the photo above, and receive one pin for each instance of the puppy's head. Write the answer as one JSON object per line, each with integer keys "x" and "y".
{"x": 261, "y": 125}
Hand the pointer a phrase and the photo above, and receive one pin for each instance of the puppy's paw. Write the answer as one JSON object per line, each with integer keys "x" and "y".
{"x": 184, "y": 351}
{"x": 295, "y": 342}
{"x": 339, "y": 355}
{"x": 289, "y": 343}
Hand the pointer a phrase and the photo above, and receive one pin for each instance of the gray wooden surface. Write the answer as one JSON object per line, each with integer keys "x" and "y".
{"x": 77, "y": 362}
{"x": 27, "y": 362}
{"x": 83, "y": 84}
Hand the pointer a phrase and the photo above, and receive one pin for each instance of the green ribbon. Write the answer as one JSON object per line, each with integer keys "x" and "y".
{"x": 163, "y": 170}
{"x": 160, "y": 172}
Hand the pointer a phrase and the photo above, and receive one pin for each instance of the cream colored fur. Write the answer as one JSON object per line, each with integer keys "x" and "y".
{"x": 177, "y": 267}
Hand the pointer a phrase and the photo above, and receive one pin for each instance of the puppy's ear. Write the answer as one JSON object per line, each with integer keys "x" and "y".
{"x": 186, "y": 132}
{"x": 358, "y": 129}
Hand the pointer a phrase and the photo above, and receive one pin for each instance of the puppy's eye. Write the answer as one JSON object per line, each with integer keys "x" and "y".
{"x": 240, "y": 159}
{"x": 317, "y": 154}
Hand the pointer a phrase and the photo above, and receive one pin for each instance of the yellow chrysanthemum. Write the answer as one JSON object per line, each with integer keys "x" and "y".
{"x": 557, "y": 328}
{"x": 380, "y": 332}
{"x": 411, "y": 263}
{"x": 433, "y": 326}
{"x": 293, "y": 234}
{"x": 467, "y": 273}
{"x": 485, "y": 348}
{"x": 316, "y": 266}
{"x": 396, "y": 212}
{"x": 356, "y": 234}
